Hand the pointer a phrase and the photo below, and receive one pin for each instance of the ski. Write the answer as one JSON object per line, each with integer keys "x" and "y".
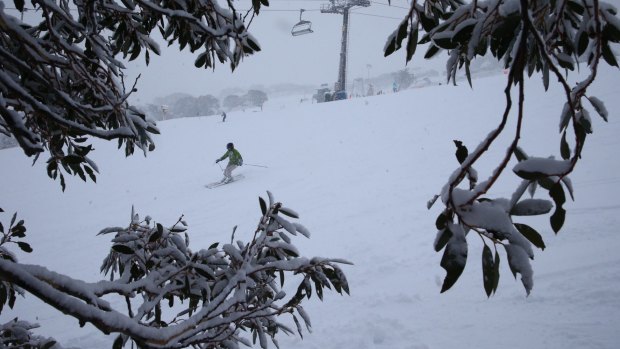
{"x": 219, "y": 183}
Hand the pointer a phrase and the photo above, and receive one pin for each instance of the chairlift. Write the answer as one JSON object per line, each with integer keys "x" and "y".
{"x": 303, "y": 27}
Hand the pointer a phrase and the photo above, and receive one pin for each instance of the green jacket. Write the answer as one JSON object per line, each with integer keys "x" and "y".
{"x": 233, "y": 157}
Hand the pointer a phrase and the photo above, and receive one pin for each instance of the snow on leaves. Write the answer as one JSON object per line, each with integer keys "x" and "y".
{"x": 551, "y": 38}
{"x": 63, "y": 82}
{"x": 176, "y": 297}
{"x": 18, "y": 334}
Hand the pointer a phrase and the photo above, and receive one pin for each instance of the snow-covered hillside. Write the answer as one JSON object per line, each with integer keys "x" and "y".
{"x": 360, "y": 173}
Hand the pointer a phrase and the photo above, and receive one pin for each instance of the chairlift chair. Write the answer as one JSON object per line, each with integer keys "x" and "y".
{"x": 303, "y": 27}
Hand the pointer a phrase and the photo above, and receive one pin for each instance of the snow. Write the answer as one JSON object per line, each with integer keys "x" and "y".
{"x": 359, "y": 174}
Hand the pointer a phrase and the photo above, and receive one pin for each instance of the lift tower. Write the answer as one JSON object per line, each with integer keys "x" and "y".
{"x": 342, "y": 7}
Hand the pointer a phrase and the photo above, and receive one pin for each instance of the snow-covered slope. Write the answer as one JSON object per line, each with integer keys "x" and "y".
{"x": 360, "y": 173}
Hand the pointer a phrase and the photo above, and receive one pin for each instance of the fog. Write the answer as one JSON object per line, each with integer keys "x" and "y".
{"x": 306, "y": 59}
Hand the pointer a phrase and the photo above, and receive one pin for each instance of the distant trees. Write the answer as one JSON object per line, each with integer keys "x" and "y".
{"x": 191, "y": 106}
{"x": 255, "y": 98}
{"x": 61, "y": 85}
{"x": 232, "y": 101}
{"x": 403, "y": 78}
{"x": 548, "y": 37}
{"x": 252, "y": 98}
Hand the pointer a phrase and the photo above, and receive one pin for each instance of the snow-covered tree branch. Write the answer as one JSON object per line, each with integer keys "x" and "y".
{"x": 176, "y": 297}
{"x": 550, "y": 37}
{"x": 61, "y": 80}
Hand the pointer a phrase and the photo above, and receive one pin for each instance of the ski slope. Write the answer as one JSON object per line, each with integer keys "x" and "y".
{"x": 360, "y": 173}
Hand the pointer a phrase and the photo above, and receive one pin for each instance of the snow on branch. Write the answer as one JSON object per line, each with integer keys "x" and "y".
{"x": 62, "y": 81}
{"x": 528, "y": 37}
{"x": 177, "y": 297}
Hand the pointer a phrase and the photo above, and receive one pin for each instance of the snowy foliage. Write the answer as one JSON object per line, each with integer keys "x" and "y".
{"x": 551, "y": 37}
{"x": 18, "y": 334}
{"x": 176, "y": 297}
{"x": 62, "y": 81}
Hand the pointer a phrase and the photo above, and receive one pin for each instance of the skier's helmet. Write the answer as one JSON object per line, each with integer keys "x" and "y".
{"x": 229, "y": 146}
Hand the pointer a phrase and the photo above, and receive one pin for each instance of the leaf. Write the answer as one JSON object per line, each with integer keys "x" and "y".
{"x": 520, "y": 154}
{"x": 118, "y": 342}
{"x": 157, "y": 234}
{"x": 122, "y": 249}
{"x": 565, "y": 61}
{"x": 583, "y": 118}
{"x": 201, "y": 60}
{"x": 532, "y": 235}
{"x": 557, "y": 194}
{"x": 19, "y": 4}
{"x": 288, "y": 212}
{"x": 18, "y": 230}
{"x": 488, "y": 276}
{"x": 91, "y": 173}
{"x": 298, "y": 326}
{"x": 443, "y": 236}
{"x": 263, "y": 205}
{"x": 519, "y": 262}
{"x": 454, "y": 259}
{"x": 468, "y": 73}
{"x": 256, "y": 6}
{"x": 394, "y": 41}
{"x": 412, "y": 43}
{"x": 537, "y": 168}
{"x": 496, "y": 271}
{"x": 390, "y": 47}
{"x": 582, "y": 42}
{"x": 62, "y": 183}
{"x": 203, "y": 274}
{"x": 12, "y": 299}
{"x": 432, "y": 50}
{"x": 564, "y": 148}
{"x": 24, "y": 246}
{"x": 557, "y": 219}
{"x": 462, "y": 32}
{"x": 253, "y": 44}
{"x": 599, "y": 106}
{"x": 608, "y": 55}
{"x": 530, "y": 175}
{"x": 427, "y": 23}
{"x": 611, "y": 31}
{"x": 214, "y": 245}
{"x": 461, "y": 151}
{"x": 531, "y": 207}
{"x": 441, "y": 221}
{"x": 565, "y": 116}
{"x": 546, "y": 76}
{"x": 445, "y": 40}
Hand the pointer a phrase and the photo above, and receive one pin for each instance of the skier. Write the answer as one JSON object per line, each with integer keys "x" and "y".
{"x": 223, "y": 116}
{"x": 234, "y": 160}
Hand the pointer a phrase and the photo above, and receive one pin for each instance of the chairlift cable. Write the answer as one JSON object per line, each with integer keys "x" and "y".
{"x": 367, "y": 14}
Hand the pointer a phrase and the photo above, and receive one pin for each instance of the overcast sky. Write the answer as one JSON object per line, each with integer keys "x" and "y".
{"x": 307, "y": 59}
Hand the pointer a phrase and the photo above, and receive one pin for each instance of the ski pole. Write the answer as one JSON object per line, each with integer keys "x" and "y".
{"x": 255, "y": 165}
